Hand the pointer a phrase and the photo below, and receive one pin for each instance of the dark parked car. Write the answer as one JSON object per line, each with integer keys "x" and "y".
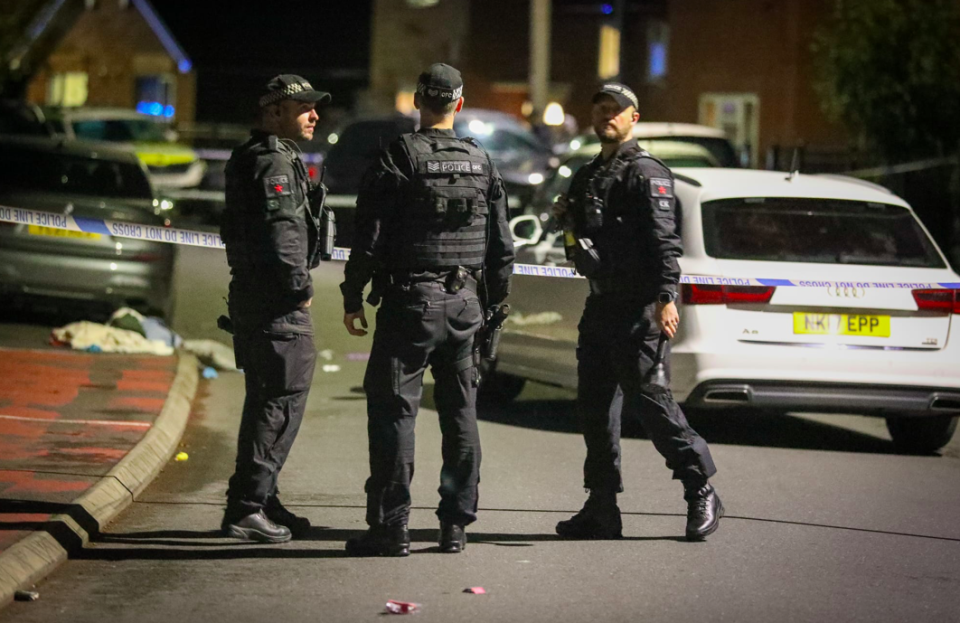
{"x": 522, "y": 160}
{"x": 20, "y": 118}
{"x": 76, "y": 179}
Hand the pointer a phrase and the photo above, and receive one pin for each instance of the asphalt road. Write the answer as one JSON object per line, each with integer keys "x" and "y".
{"x": 824, "y": 521}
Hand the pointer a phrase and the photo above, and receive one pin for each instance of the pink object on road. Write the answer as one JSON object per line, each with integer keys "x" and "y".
{"x": 476, "y": 590}
{"x": 402, "y": 607}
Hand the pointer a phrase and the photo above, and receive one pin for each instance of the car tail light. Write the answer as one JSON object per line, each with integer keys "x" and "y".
{"x": 944, "y": 300}
{"x": 748, "y": 294}
{"x": 693, "y": 294}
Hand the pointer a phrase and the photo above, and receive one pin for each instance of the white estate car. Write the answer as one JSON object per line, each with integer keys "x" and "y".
{"x": 713, "y": 140}
{"x": 814, "y": 346}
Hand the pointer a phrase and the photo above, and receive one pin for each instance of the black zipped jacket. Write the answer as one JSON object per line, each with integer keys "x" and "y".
{"x": 627, "y": 207}
{"x": 270, "y": 232}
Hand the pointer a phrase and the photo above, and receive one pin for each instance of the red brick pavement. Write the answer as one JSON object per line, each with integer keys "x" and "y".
{"x": 66, "y": 419}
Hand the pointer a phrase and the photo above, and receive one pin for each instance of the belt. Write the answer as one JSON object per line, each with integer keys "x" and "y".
{"x": 470, "y": 279}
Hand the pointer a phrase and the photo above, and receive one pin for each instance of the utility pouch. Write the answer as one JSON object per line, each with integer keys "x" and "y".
{"x": 455, "y": 280}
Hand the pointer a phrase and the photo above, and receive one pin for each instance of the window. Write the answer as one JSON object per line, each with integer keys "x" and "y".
{"x": 738, "y": 115}
{"x": 819, "y": 231}
{"x": 658, "y": 43}
{"x": 157, "y": 95}
{"x": 67, "y": 89}
{"x": 121, "y": 130}
{"x": 609, "y": 63}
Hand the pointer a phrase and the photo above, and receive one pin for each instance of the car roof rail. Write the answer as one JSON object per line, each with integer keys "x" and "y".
{"x": 687, "y": 180}
{"x": 855, "y": 180}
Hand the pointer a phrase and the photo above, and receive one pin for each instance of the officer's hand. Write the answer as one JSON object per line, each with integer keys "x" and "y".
{"x": 560, "y": 208}
{"x": 307, "y": 303}
{"x": 668, "y": 318}
{"x": 348, "y": 321}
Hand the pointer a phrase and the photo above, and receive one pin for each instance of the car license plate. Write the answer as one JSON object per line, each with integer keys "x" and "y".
{"x": 38, "y": 230}
{"x": 841, "y": 324}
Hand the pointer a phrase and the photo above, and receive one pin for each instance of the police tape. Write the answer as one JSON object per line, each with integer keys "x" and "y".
{"x": 173, "y": 235}
{"x": 117, "y": 229}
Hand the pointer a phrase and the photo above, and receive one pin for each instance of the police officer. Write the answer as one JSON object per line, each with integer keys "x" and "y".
{"x": 621, "y": 207}
{"x": 272, "y": 238}
{"x": 431, "y": 230}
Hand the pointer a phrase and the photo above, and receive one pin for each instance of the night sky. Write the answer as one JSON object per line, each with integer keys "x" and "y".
{"x": 235, "y": 50}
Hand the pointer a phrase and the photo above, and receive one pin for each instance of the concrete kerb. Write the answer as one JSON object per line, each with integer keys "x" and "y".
{"x": 36, "y": 556}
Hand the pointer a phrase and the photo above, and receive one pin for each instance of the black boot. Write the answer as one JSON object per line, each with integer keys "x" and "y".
{"x": 255, "y": 527}
{"x": 278, "y": 514}
{"x": 381, "y": 541}
{"x": 453, "y": 539}
{"x": 599, "y": 519}
{"x": 704, "y": 511}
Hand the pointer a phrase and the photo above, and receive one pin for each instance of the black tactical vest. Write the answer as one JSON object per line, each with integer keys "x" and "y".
{"x": 590, "y": 194}
{"x": 604, "y": 213}
{"x": 444, "y": 223}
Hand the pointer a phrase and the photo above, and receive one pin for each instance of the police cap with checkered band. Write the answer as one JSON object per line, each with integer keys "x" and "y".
{"x": 621, "y": 93}
{"x": 291, "y": 87}
{"x": 440, "y": 82}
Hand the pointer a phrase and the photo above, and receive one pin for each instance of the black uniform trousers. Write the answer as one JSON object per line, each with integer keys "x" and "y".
{"x": 418, "y": 325}
{"x": 278, "y": 360}
{"x": 616, "y": 350}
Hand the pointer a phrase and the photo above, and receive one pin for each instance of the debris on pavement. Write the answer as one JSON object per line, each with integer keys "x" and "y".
{"x": 475, "y": 590}
{"x": 150, "y": 327}
{"x": 326, "y": 355}
{"x": 212, "y": 353}
{"x": 181, "y": 456}
{"x": 95, "y": 337}
{"x": 358, "y": 356}
{"x": 331, "y": 368}
{"x": 26, "y": 596}
{"x": 210, "y": 373}
{"x": 402, "y": 607}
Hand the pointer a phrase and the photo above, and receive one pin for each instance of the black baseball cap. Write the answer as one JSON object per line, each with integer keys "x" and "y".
{"x": 440, "y": 81}
{"x": 620, "y": 92}
{"x": 291, "y": 87}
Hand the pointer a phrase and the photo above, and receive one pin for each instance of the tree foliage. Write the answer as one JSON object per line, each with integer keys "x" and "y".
{"x": 890, "y": 71}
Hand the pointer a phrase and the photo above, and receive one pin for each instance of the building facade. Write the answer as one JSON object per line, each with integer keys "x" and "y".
{"x": 112, "y": 53}
{"x": 744, "y": 66}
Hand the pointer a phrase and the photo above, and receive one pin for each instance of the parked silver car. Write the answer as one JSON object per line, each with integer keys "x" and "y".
{"x": 40, "y": 263}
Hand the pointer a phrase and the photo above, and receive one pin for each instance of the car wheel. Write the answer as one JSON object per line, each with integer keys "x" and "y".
{"x": 496, "y": 387}
{"x": 921, "y": 435}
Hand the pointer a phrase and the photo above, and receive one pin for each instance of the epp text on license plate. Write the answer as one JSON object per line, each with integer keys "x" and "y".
{"x": 805, "y": 323}
{"x": 39, "y": 230}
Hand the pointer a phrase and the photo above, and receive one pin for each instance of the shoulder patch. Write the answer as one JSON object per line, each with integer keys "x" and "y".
{"x": 661, "y": 188}
{"x": 277, "y": 186}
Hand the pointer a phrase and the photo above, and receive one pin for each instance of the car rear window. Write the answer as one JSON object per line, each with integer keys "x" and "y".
{"x": 26, "y": 169}
{"x": 816, "y": 231}
{"x": 719, "y": 148}
{"x": 120, "y": 130}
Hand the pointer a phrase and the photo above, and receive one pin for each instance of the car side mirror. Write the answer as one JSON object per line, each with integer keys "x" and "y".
{"x": 526, "y": 229}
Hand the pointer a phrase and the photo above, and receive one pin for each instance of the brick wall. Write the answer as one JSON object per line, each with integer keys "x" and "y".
{"x": 748, "y": 46}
